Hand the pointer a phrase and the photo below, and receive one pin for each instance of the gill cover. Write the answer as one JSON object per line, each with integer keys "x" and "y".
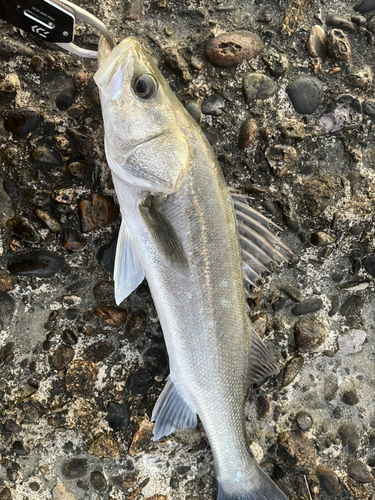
{"x": 144, "y": 142}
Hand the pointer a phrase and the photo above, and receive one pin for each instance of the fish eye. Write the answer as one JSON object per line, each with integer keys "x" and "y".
{"x": 145, "y": 87}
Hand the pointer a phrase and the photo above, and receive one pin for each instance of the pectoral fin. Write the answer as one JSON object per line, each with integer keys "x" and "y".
{"x": 165, "y": 237}
{"x": 128, "y": 273}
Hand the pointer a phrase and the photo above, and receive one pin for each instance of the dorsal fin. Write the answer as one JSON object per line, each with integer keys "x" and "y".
{"x": 262, "y": 364}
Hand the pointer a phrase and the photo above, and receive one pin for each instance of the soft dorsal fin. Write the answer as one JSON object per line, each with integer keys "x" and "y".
{"x": 171, "y": 412}
{"x": 165, "y": 237}
{"x": 262, "y": 364}
{"x": 128, "y": 272}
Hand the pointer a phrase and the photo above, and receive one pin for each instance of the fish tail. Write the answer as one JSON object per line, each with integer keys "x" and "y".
{"x": 257, "y": 486}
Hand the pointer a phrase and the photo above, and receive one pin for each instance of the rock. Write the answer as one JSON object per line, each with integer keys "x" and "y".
{"x": 79, "y": 78}
{"x": 5, "y": 494}
{"x": 318, "y": 194}
{"x": 371, "y": 23}
{"x": 364, "y": 6}
{"x": 37, "y": 64}
{"x": 80, "y": 378}
{"x": 11, "y": 157}
{"x": 292, "y": 369}
{"x": 140, "y": 382}
{"x": 351, "y": 342}
{"x": 6, "y": 354}
{"x": 118, "y": 416}
{"x": 321, "y": 239}
{"x": 61, "y": 493}
{"x": 104, "y": 446}
{"x": 75, "y": 468}
{"x": 368, "y": 108}
{"x": 44, "y": 156}
{"x": 328, "y": 480}
{"x": 10, "y": 83}
{"x": 12, "y": 426}
{"x": 76, "y": 111}
{"x": 65, "y": 98}
{"x": 214, "y": 105}
{"x": 24, "y": 229}
{"x": 263, "y": 406}
{"x": 64, "y": 195}
{"x": 352, "y": 308}
{"x": 349, "y": 436}
{"x": 296, "y": 450}
{"x": 22, "y": 121}
{"x": 340, "y": 23}
{"x": 309, "y": 335}
{"x": 316, "y": 45}
{"x": 177, "y": 63}
{"x": 369, "y": 265}
{"x": 350, "y": 397}
{"x": 230, "y": 49}
{"x": 307, "y": 306}
{"x": 247, "y": 134}
{"x": 259, "y": 322}
{"x": 77, "y": 169}
{"x": 98, "y": 481}
{"x": 113, "y": 316}
{"x": 10, "y": 48}
{"x": 83, "y": 143}
{"x": 6, "y": 281}
{"x": 104, "y": 293}
{"x": 304, "y": 420}
{"x": 62, "y": 357}
{"x": 142, "y": 439}
{"x": 279, "y": 303}
{"x": 291, "y": 129}
{"x": 41, "y": 264}
{"x": 276, "y": 63}
{"x": 72, "y": 241}
{"x": 361, "y": 78}
{"x": 194, "y": 110}
{"x": 338, "y": 45}
{"x": 136, "y": 326}
{"x": 281, "y": 159}
{"x": 258, "y": 86}
{"x": 98, "y": 212}
{"x": 331, "y": 385}
{"x": 306, "y": 94}
{"x": 292, "y": 292}
{"x": 51, "y": 223}
{"x": 69, "y": 337}
{"x": 98, "y": 351}
{"x": 358, "y": 471}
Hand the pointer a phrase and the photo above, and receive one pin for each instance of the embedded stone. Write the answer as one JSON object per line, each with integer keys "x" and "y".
{"x": 22, "y": 121}
{"x": 81, "y": 377}
{"x": 306, "y": 94}
{"x": 113, "y": 316}
{"x": 230, "y": 49}
{"x": 51, "y": 223}
{"x": 258, "y": 86}
{"x": 42, "y": 264}
{"x": 62, "y": 357}
{"x": 104, "y": 446}
{"x": 338, "y": 45}
{"x": 247, "y": 134}
{"x": 97, "y": 212}
{"x": 296, "y": 450}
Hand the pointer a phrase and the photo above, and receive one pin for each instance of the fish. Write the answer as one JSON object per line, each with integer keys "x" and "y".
{"x": 195, "y": 242}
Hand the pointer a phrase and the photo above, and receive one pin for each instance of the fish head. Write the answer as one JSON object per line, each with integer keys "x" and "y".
{"x": 143, "y": 120}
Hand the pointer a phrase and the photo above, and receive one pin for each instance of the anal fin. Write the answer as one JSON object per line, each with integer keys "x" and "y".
{"x": 171, "y": 412}
{"x": 128, "y": 272}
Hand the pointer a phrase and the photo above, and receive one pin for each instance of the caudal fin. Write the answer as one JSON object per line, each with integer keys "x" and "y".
{"x": 257, "y": 487}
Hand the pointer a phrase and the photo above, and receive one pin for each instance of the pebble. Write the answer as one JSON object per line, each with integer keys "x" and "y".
{"x": 318, "y": 194}
{"x": 330, "y": 387}
{"x": 22, "y": 121}
{"x": 266, "y": 14}
{"x": 79, "y": 78}
{"x": 340, "y": 23}
{"x": 279, "y": 303}
{"x": 358, "y": 471}
{"x": 41, "y": 264}
{"x": 321, "y": 239}
{"x": 6, "y": 281}
{"x": 214, "y": 105}
{"x": 76, "y": 111}
{"x": 12, "y": 426}
{"x": 37, "y": 64}
{"x": 69, "y": 337}
{"x": 177, "y": 63}
{"x": 230, "y": 49}
{"x": 259, "y": 322}
{"x": 368, "y": 108}
{"x": 80, "y": 378}
{"x": 307, "y": 306}
{"x": 276, "y": 63}
{"x": 194, "y": 110}
{"x": 44, "y": 156}
{"x": 98, "y": 481}
{"x": 59, "y": 492}
{"x": 292, "y": 369}
{"x": 97, "y": 212}
{"x": 10, "y": 83}
{"x": 104, "y": 446}
{"x": 309, "y": 335}
{"x": 106, "y": 255}
{"x": 98, "y": 352}
{"x": 24, "y": 229}
{"x": 292, "y": 129}
{"x": 328, "y": 480}
{"x": 258, "y": 86}
{"x": 361, "y": 78}
{"x": 196, "y": 63}
{"x": 350, "y": 397}
{"x": 263, "y": 405}
{"x": 316, "y": 45}
{"x": 142, "y": 439}
{"x": 65, "y": 195}
{"x": 248, "y": 133}
{"x": 72, "y": 241}
{"x": 19, "y": 449}
{"x": 282, "y": 159}
{"x": 352, "y": 308}
{"x": 296, "y": 450}
{"x": 51, "y": 223}
{"x": 306, "y": 94}
{"x": 118, "y": 416}
{"x": 364, "y": 6}
{"x": 5, "y": 494}
{"x": 104, "y": 293}
{"x": 304, "y": 420}
{"x": 12, "y": 158}
{"x": 351, "y": 342}
{"x": 65, "y": 98}
{"x": 83, "y": 143}
{"x": 349, "y": 436}
{"x": 75, "y": 468}
{"x": 113, "y": 316}
{"x": 77, "y": 169}
{"x": 6, "y": 354}
{"x": 10, "y": 48}
{"x": 369, "y": 265}
{"x": 62, "y": 357}
{"x": 338, "y": 45}
{"x": 136, "y": 326}
{"x": 292, "y": 292}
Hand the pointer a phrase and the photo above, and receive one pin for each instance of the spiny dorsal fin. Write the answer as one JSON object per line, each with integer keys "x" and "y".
{"x": 171, "y": 412}
{"x": 262, "y": 364}
{"x": 128, "y": 272}
{"x": 165, "y": 237}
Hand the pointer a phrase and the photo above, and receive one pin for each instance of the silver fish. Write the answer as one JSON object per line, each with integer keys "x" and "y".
{"x": 180, "y": 231}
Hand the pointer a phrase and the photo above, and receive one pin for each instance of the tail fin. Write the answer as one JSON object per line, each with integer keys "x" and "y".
{"x": 256, "y": 487}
